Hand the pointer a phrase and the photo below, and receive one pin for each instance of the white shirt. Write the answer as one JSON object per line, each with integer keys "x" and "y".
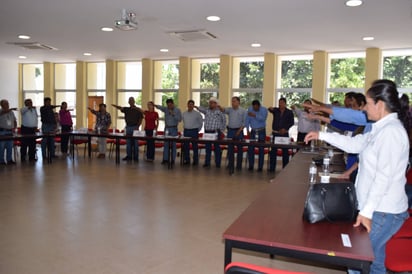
{"x": 29, "y": 117}
{"x": 383, "y": 158}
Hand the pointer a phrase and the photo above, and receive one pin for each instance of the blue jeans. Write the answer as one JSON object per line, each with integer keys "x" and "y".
{"x": 251, "y": 149}
{"x": 194, "y": 134}
{"x": 6, "y": 146}
{"x": 384, "y": 225}
{"x": 231, "y": 133}
{"x": 217, "y": 152}
{"x": 274, "y": 152}
{"x": 132, "y": 146}
{"x": 172, "y": 132}
{"x": 47, "y": 143}
{"x": 150, "y": 145}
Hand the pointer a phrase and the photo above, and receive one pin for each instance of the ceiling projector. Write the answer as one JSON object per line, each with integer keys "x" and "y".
{"x": 128, "y": 21}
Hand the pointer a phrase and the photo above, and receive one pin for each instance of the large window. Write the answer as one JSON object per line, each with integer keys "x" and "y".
{"x": 205, "y": 80}
{"x": 295, "y": 82}
{"x": 166, "y": 83}
{"x": 295, "y": 79}
{"x": 347, "y": 73}
{"x": 129, "y": 84}
{"x": 65, "y": 87}
{"x": 33, "y": 84}
{"x": 96, "y": 79}
{"x": 248, "y": 79}
{"x": 397, "y": 66}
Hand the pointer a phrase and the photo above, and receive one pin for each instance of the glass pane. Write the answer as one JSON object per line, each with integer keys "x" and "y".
{"x": 336, "y": 98}
{"x": 202, "y": 98}
{"x": 399, "y": 70}
{"x": 296, "y": 74}
{"x": 123, "y": 98}
{"x": 129, "y": 75}
{"x": 33, "y": 77}
{"x": 96, "y": 76}
{"x": 294, "y": 98}
{"x": 347, "y": 73}
{"x": 69, "y": 98}
{"x": 97, "y": 93}
{"x": 246, "y": 98}
{"x": 209, "y": 75}
{"x": 65, "y": 76}
{"x": 170, "y": 76}
{"x": 251, "y": 74}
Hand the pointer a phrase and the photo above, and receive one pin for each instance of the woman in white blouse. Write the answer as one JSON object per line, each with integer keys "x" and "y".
{"x": 383, "y": 158}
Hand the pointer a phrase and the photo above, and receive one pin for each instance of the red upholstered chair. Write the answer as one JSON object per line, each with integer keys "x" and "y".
{"x": 399, "y": 249}
{"x": 243, "y": 268}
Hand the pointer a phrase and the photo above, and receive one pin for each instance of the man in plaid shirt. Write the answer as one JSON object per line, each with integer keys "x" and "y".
{"x": 215, "y": 122}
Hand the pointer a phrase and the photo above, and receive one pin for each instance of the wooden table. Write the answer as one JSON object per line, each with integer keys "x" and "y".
{"x": 273, "y": 224}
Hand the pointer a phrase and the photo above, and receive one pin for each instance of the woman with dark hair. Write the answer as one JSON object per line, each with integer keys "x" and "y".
{"x": 383, "y": 158}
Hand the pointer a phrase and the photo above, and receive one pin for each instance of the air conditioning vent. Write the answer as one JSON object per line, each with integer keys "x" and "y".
{"x": 193, "y": 35}
{"x": 32, "y": 45}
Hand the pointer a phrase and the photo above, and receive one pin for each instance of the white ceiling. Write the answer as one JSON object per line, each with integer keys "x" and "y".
{"x": 282, "y": 27}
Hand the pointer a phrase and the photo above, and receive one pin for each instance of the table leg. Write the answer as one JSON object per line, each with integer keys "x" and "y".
{"x": 228, "y": 252}
{"x": 169, "y": 164}
{"x": 72, "y": 146}
{"x": 231, "y": 156}
{"x": 117, "y": 151}
{"x": 89, "y": 146}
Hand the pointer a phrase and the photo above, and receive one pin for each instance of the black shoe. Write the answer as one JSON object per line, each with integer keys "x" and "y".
{"x": 217, "y": 166}
{"x": 259, "y": 169}
{"x": 3, "y": 164}
{"x": 136, "y": 160}
{"x": 185, "y": 163}
{"x": 126, "y": 159}
{"x": 195, "y": 163}
{"x": 164, "y": 162}
{"x": 272, "y": 170}
{"x": 33, "y": 160}
{"x": 238, "y": 168}
{"x": 250, "y": 169}
{"x": 206, "y": 165}
{"x": 11, "y": 162}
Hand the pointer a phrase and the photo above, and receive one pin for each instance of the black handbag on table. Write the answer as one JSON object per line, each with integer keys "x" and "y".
{"x": 333, "y": 202}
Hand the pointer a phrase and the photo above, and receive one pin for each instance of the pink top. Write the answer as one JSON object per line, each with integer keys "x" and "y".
{"x": 65, "y": 118}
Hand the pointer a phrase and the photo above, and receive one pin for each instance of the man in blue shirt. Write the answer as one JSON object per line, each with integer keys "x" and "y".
{"x": 173, "y": 116}
{"x": 282, "y": 121}
{"x": 256, "y": 121}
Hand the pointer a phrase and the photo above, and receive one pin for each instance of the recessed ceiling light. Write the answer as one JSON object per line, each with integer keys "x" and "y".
{"x": 87, "y": 54}
{"x": 213, "y": 18}
{"x": 353, "y": 3}
{"x": 368, "y": 38}
{"x": 255, "y": 45}
{"x": 25, "y": 37}
{"x": 106, "y": 29}
{"x": 164, "y": 50}
{"x": 22, "y": 57}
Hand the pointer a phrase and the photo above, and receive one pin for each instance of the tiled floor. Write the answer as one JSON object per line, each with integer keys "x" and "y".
{"x": 95, "y": 217}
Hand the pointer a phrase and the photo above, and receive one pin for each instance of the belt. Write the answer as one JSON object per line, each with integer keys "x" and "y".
{"x": 191, "y": 129}
{"x": 258, "y": 129}
{"x": 170, "y": 126}
{"x": 211, "y": 130}
{"x": 5, "y": 129}
{"x": 233, "y": 128}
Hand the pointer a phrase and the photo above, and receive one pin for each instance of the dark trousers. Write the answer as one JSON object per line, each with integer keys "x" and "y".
{"x": 194, "y": 134}
{"x": 301, "y": 136}
{"x": 217, "y": 150}
{"x": 251, "y": 149}
{"x": 65, "y": 138}
{"x": 150, "y": 145}
{"x": 274, "y": 152}
{"x": 231, "y": 133}
{"x": 29, "y": 143}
